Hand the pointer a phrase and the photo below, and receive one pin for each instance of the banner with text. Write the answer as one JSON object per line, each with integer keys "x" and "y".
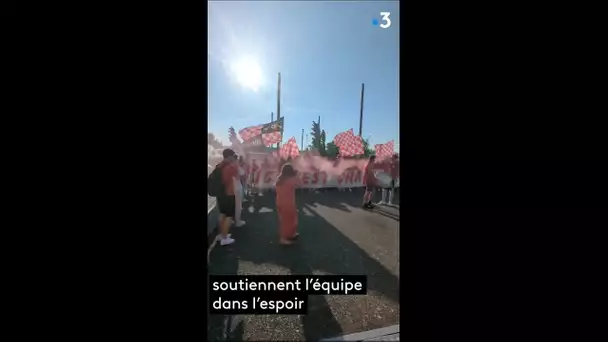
{"x": 318, "y": 172}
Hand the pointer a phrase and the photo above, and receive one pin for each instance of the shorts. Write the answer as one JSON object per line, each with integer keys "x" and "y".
{"x": 226, "y": 205}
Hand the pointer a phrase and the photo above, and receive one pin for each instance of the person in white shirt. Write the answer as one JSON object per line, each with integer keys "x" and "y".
{"x": 238, "y": 196}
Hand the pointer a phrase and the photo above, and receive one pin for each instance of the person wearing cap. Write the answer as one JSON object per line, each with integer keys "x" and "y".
{"x": 226, "y": 202}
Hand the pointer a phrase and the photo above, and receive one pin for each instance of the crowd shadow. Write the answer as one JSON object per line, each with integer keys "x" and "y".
{"x": 321, "y": 248}
{"x": 329, "y": 198}
{"x": 332, "y": 198}
{"x": 344, "y": 200}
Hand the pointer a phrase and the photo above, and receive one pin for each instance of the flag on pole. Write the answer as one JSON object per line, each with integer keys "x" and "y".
{"x": 349, "y": 144}
{"x": 270, "y": 133}
{"x": 340, "y": 137}
{"x": 385, "y": 150}
{"x": 290, "y": 149}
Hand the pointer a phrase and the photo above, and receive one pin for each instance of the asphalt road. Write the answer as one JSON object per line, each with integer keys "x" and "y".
{"x": 336, "y": 237}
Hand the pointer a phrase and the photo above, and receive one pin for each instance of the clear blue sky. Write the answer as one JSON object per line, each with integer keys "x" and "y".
{"x": 324, "y": 51}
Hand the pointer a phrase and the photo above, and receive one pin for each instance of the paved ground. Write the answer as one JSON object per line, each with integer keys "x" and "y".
{"x": 337, "y": 237}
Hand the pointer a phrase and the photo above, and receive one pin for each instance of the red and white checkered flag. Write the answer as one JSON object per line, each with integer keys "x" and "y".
{"x": 271, "y": 133}
{"x": 340, "y": 137}
{"x": 353, "y": 146}
{"x": 349, "y": 144}
{"x": 385, "y": 150}
{"x": 290, "y": 149}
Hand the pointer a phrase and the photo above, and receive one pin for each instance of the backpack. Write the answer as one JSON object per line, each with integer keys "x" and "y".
{"x": 215, "y": 186}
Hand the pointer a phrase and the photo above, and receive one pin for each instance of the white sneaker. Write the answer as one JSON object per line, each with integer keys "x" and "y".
{"x": 381, "y": 203}
{"x": 226, "y": 241}
{"x": 219, "y": 237}
{"x": 240, "y": 224}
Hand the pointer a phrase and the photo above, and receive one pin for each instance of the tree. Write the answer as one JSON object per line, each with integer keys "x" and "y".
{"x": 211, "y": 140}
{"x": 317, "y": 143}
{"x": 232, "y": 135}
{"x": 367, "y": 150}
{"x": 332, "y": 150}
{"x": 322, "y": 146}
{"x": 315, "y": 134}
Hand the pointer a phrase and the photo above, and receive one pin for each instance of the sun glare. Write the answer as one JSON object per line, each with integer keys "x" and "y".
{"x": 248, "y": 74}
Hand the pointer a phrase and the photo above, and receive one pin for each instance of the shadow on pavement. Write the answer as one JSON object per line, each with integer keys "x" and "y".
{"x": 321, "y": 249}
{"x": 332, "y": 198}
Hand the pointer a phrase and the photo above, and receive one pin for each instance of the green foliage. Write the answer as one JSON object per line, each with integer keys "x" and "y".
{"x": 322, "y": 145}
{"x": 368, "y": 151}
{"x": 315, "y": 134}
{"x": 332, "y": 150}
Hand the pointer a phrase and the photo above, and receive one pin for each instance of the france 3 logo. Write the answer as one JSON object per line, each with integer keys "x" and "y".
{"x": 386, "y": 20}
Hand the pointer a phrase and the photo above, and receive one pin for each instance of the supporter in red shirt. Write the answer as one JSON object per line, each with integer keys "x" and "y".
{"x": 370, "y": 183}
{"x": 286, "y": 185}
{"x": 226, "y": 201}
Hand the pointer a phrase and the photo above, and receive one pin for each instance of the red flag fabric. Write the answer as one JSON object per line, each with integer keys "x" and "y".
{"x": 290, "y": 149}
{"x": 349, "y": 144}
{"x": 271, "y": 133}
{"x": 340, "y": 137}
{"x": 385, "y": 150}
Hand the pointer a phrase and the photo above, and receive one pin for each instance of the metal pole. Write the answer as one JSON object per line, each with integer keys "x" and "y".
{"x": 279, "y": 104}
{"x": 302, "y": 140}
{"x": 361, "y": 113}
{"x": 279, "y": 98}
{"x": 271, "y": 120}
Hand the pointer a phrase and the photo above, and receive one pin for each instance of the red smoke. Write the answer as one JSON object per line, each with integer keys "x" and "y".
{"x": 303, "y": 163}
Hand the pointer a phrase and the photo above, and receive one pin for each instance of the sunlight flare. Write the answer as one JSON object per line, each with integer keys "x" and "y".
{"x": 248, "y": 73}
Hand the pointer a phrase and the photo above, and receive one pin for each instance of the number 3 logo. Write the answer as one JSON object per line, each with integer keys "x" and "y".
{"x": 386, "y": 19}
